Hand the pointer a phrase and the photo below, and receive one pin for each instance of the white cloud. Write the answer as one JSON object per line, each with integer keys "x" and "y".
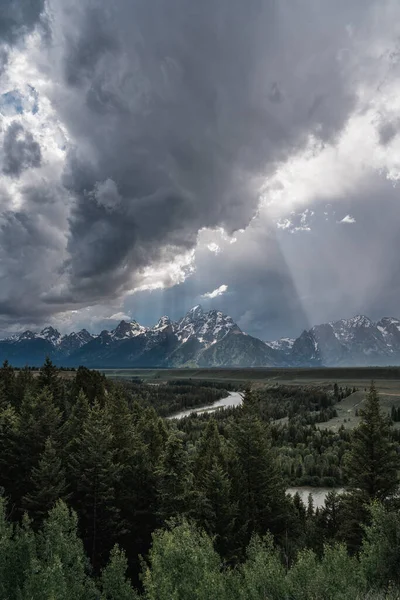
{"x": 284, "y": 224}
{"x": 347, "y": 219}
{"x": 213, "y": 247}
{"x": 218, "y": 292}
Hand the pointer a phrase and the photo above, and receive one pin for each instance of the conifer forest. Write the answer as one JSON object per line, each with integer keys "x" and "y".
{"x": 103, "y": 497}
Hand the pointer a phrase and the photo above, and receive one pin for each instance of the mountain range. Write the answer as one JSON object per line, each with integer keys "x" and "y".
{"x": 209, "y": 339}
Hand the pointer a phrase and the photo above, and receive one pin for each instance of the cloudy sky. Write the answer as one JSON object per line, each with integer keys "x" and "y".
{"x": 241, "y": 154}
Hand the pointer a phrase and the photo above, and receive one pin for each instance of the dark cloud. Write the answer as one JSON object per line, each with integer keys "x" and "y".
{"x": 184, "y": 109}
{"x": 175, "y": 114}
{"x": 18, "y": 17}
{"x": 20, "y": 150}
{"x": 388, "y": 131}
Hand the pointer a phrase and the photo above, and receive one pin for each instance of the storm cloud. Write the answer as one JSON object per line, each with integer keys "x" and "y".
{"x": 20, "y": 150}
{"x": 154, "y": 122}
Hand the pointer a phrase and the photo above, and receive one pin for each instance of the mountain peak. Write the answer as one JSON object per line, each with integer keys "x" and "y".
{"x": 162, "y": 323}
{"x": 51, "y": 334}
{"x": 360, "y": 321}
{"x": 195, "y": 312}
{"x": 126, "y": 330}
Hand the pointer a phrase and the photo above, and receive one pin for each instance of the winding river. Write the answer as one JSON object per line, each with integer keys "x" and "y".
{"x": 233, "y": 399}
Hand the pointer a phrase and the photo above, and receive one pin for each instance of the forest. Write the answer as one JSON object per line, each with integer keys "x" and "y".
{"x": 101, "y": 497}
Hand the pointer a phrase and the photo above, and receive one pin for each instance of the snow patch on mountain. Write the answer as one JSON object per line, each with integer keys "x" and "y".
{"x": 127, "y": 330}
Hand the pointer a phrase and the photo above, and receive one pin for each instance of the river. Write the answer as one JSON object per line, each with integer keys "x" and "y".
{"x": 318, "y": 493}
{"x": 233, "y": 399}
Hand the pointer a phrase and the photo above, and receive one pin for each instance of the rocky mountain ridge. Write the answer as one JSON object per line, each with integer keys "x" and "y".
{"x": 210, "y": 339}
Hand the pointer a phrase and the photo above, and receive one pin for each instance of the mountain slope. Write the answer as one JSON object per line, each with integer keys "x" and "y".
{"x": 237, "y": 349}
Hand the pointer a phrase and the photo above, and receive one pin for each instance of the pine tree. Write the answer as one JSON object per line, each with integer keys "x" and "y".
{"x": 71, "y": 429}
{"x": 174, "y": 485}
{"x": 95, "y": 474}
{"x": 210, "y": 448}
{"x": 24, "y": 383}
{"x": 48, "y": 484}
{"x": 8, "y": 435}
{"x": 136, "y": 487}
{"x": 49, "y": 377}
{"x": 259, "y": 485}
{"x": 373, "y": 461}
{"x": 39, "y": 419}
{"x": 219, "y": 511}
{"x": 7, "y": 383}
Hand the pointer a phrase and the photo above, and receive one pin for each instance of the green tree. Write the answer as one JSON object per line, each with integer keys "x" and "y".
{"x": 218, "y": 513}
{"x": 7, "y": 383}
{"x": 263, "y": 573}
{"x": 373, "y": 462}
{"x": 72, "y": 428}
{"x": 174, "y": 479}
{"x": 49, "y": 377}
{"x": 24, "y": 383}
{"x": 380, "y": 554}
{"x": 183, "y": 564}
{"x": 39, "y": 419}
{"x": 336, "y": 577}
{"x": 114, "y": 583}
{"x": 48, "y": 484}
{"x": 259, "y": 485}
{"x": 60, "y": 568}
{"x": 8, "y": 449}
{"x": 95, "y": 473}
{"x": 210, "y": 449}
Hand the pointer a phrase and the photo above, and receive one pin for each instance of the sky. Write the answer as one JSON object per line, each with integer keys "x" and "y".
{"x": 240, "y": 154}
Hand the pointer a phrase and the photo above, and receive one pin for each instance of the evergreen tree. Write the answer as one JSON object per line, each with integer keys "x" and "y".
{"x": 72, "y": 428}
{"x": 219, "y": 511}
{"x": 373, "y": 461}
{"x": 39, "y": 420}
{"x": 136, "y": 495}
{"x": 92, "y": 383}
{"x": 8, "y": 435}
{"x": 380, "y": 555}
{"x": 153, "y": 433}
{"x": 210, "y": 449}
{"x": 24, "y": 383}
{"x": 7, "y": 382}
{"x": 174, "y": 485}
{"x": 48, "y": 484}
{"x": 49, "y": 377}
{"x": 95, "y": 474}
{"x": 259, "y": 485}
{"x": 7, "y": 577}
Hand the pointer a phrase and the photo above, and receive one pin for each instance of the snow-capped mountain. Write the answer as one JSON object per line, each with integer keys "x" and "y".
{"x": 208, "y": 327}
{"x": 284, "y": 345}
{"x": 126, "y": 331}
{"x": 355, "y": 341}
{"x": 209, "y": 339}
